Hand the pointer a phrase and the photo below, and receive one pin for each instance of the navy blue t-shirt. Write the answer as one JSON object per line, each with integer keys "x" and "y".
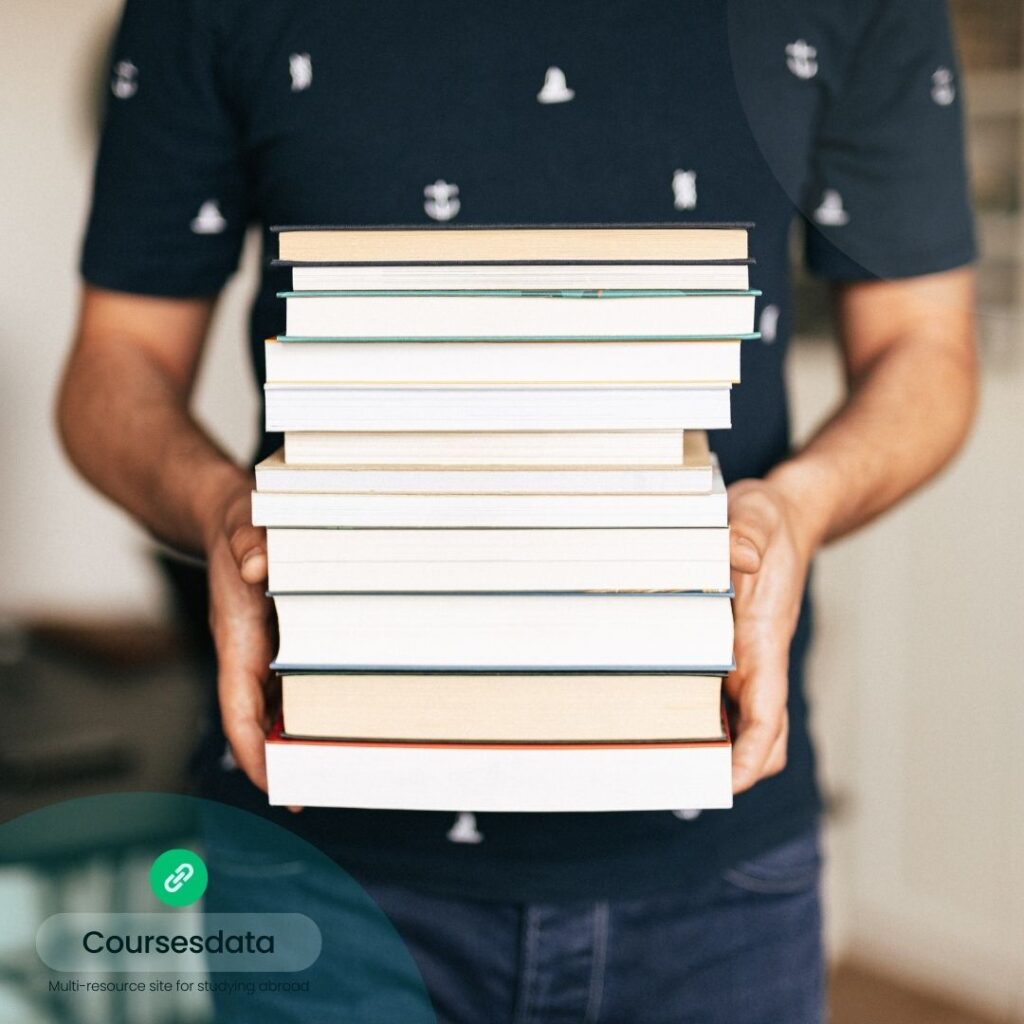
{"x": 843, "y": 113}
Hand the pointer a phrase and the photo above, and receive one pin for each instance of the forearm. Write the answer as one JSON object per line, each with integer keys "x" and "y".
{"x": 123, "y": 414}
{"x": 127, "y": 428}
{"x": 908, "y": 411}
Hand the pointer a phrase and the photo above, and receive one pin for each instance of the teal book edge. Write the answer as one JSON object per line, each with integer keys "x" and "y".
{"x": 680, "y": 670}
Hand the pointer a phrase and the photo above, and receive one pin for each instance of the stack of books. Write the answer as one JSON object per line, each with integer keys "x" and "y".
{"x": 498, "y": 541}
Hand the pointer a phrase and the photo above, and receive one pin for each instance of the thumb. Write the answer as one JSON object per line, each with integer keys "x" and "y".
{"x": 744, "y": 555}
{"x": 752, "y": 519}
{"x": 248, "y": 545}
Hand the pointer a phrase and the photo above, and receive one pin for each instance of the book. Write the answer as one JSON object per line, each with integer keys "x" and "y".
{"x": 498, "y": 560}
{"x": 491, "y": 510}
{"x": 317, "y": 277}
{"x": 450, "y": 777}
{"x": 552, "y": 316}
{"x": 521, "y": 449}
{"x": 691, "y": 475}
{"x": 492, "y": 708}
{"x": 507, "y": 362}
{"x": 502, "y": 407}
{"x": 652, "y": 243}
{"x": 497, "y": 540}
{"x": 628, "y": 632}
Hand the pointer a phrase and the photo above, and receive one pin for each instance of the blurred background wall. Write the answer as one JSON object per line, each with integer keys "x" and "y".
{"x": 918, "y": 670}
{"x": 919, "y": 662}
{"x": 62, "y": 548}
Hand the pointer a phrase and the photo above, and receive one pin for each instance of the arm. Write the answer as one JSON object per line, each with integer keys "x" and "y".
{"x": 911, "y": 376}
{"x": 124, "y": 420}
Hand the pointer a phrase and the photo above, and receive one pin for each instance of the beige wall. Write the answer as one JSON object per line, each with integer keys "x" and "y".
{"x": 916, "y": 679}
{"x": 919, "y": 664}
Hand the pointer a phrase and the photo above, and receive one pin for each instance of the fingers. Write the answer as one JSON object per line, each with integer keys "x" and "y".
{"x": 240, "y": 620}
{"x": 242, "y": 626}
{"x": 243, "y": 713}
{"x": 777, "y": 758}
{"x": 769, "y": 573}
{"x": 759, "y": 749}
{"x": 247, "y": 746}
{"x": 750, "y": 752}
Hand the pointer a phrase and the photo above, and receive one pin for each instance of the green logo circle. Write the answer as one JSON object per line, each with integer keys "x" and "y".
{"x": 178, "y": 877}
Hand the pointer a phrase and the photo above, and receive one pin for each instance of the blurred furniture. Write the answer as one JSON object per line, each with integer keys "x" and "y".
{"x": 90, "y": 708}
{"x": 858, "y": 995}
{"x": 93, "y": 707}
{"x": 990, "y": 37}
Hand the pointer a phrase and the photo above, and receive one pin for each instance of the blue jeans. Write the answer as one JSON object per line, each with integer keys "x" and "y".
{"x": 745, "y": 949}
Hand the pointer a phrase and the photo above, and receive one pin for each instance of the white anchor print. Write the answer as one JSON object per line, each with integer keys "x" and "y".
{"x": 442, "y": 200}
{"x": 300, "y": 67}
{"x": 768, "y": 325}
{"x": 554, "y": 89}
{"x": 464, "y": 830}
{"x": 943, "y": 89}
{"x": 688, "y": 814}
{"x": 830, "y": 212}
{"x": 684, "y": 190}
{"x": 209, "y": 220}
{"x": 126, "y": 80}
{"x": 802, "y": 59}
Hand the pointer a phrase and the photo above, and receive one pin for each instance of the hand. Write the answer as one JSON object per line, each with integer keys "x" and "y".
{"x": 242, "y": 623}
{"x": 770, "y": 554}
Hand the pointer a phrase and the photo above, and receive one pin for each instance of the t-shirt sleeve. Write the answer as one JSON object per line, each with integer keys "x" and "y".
{"x": 889, "y": 192}
{"x": 169, "y": 205}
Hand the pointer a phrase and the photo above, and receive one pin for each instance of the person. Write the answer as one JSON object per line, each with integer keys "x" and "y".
{"x": 842, "y": 115}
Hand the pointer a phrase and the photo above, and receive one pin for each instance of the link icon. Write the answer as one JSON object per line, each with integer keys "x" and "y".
{"x": 178, "y": 877}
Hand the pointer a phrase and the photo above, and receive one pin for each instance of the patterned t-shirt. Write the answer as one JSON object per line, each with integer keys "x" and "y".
{"x": 843, "y": 113}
